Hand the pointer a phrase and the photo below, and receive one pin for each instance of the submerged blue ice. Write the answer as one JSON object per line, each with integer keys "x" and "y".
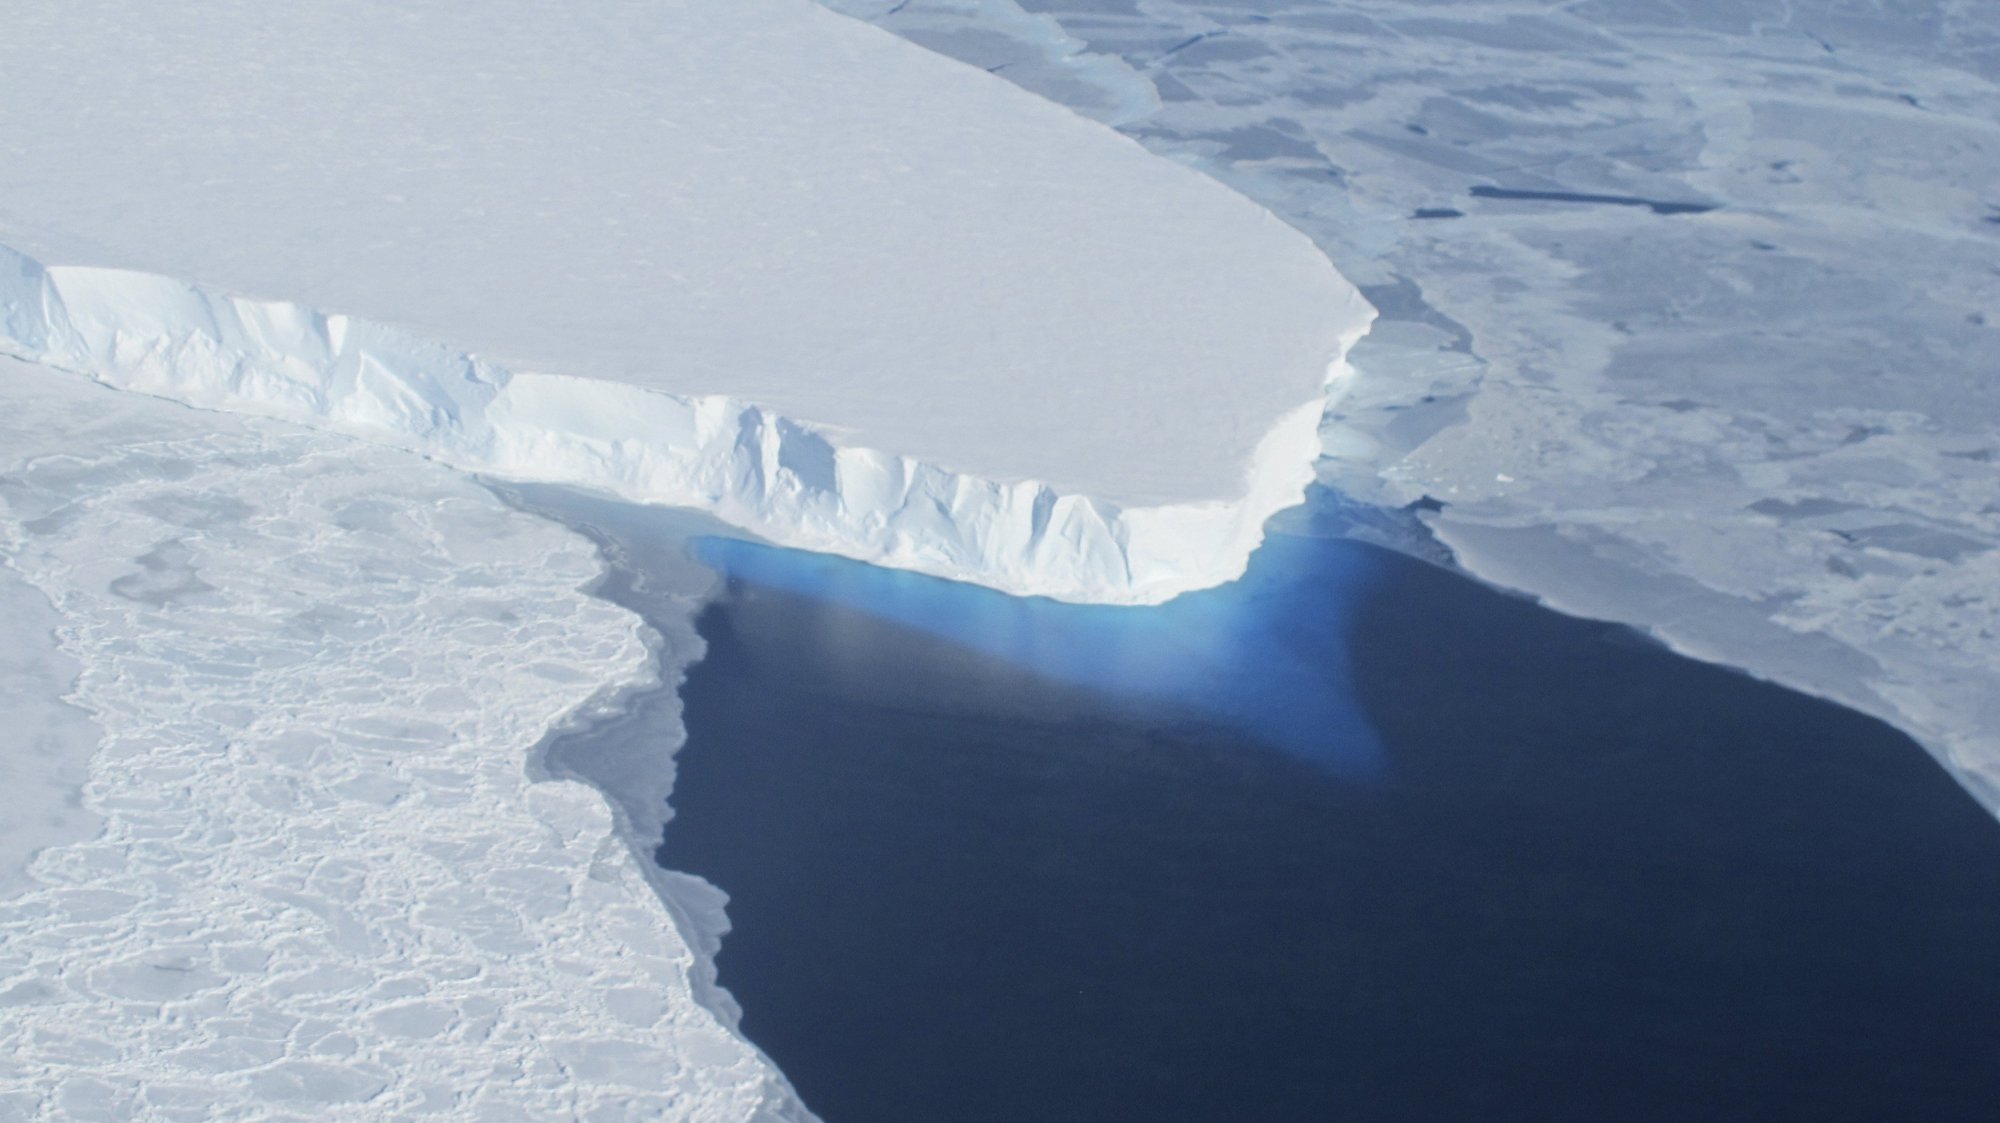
{"x": 1266, "y": 656}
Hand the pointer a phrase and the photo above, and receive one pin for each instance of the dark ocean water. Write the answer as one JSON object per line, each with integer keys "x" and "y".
{"x": 1354, "y": 839}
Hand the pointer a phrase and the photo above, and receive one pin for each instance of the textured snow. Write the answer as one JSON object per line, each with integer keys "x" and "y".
{"x": 328, "y": 885}
{"x": 1764, "y": 430}
{"x": 754, "y": 256}
{"x": 46, "y": 745}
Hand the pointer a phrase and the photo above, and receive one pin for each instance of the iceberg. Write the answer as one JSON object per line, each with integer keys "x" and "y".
{"x": 756, "y": 258}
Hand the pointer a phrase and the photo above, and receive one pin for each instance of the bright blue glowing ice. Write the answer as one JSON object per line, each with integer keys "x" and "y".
{"x": 1266, "y": 656}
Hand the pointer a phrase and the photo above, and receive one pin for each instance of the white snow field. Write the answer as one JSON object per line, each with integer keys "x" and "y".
{"x": 328, "y": 885}
{"x": 1768, "y": 431}
{"x": 749, "y": 256}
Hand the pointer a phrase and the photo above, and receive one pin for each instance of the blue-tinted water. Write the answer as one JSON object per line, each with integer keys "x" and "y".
{"x": 1212, "y": 658}
{"x": 1356, "y": 840}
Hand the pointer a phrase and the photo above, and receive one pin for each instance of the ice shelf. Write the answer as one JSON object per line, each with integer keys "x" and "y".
{"x": 755, "y": 257}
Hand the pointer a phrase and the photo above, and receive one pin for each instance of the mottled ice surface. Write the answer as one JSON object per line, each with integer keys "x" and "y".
{"x": 328, "y": 884}
{"x": 46, "y": 749}
{"x": 1690, "y": 314}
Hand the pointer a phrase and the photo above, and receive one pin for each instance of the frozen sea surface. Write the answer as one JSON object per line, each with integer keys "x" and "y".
{"x": 1687, "y": 308}
{"x": 46, "y": 750}
{"x": 328, "y": 883}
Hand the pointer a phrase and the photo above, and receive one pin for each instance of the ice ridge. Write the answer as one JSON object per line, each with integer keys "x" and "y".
{"x": 780, "y": 478}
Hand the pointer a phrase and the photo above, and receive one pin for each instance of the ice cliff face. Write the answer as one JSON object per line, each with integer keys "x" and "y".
{"x": 782, "y": 479}
{"x": 843, "y": 292}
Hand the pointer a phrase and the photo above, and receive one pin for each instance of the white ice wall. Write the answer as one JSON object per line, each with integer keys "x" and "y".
{"x": 1082, "y": 370}
{"x": 788, "y": 481}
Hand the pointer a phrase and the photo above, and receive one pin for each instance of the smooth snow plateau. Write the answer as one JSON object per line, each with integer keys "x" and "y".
{"x": 752, "y": 257}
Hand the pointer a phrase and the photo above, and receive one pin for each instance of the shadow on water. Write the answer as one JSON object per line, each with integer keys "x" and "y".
{"x": 975, "y": 879}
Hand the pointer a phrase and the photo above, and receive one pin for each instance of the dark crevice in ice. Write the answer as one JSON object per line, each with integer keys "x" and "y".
{"x": 1402, "y": 299}
{"x": 1657, "y": 206}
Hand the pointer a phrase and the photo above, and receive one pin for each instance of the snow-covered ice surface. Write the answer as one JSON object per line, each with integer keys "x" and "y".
{"x": 46, "y": 745}
{"x": 751, "y": 256}
{"x": 1690, "y": 313}
{"x": 328, "y": 885}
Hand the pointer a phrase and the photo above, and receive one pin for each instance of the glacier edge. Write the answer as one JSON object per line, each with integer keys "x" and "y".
{"x": 782, "y": 479}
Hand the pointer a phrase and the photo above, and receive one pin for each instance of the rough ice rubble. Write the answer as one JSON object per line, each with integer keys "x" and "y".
{"x": 327, "y": 886}
{"x": 844, "y": 292}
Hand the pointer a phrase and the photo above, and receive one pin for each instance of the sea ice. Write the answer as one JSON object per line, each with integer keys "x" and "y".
{"x": 46, "y": 747}
{"x": 329, "y": 884}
